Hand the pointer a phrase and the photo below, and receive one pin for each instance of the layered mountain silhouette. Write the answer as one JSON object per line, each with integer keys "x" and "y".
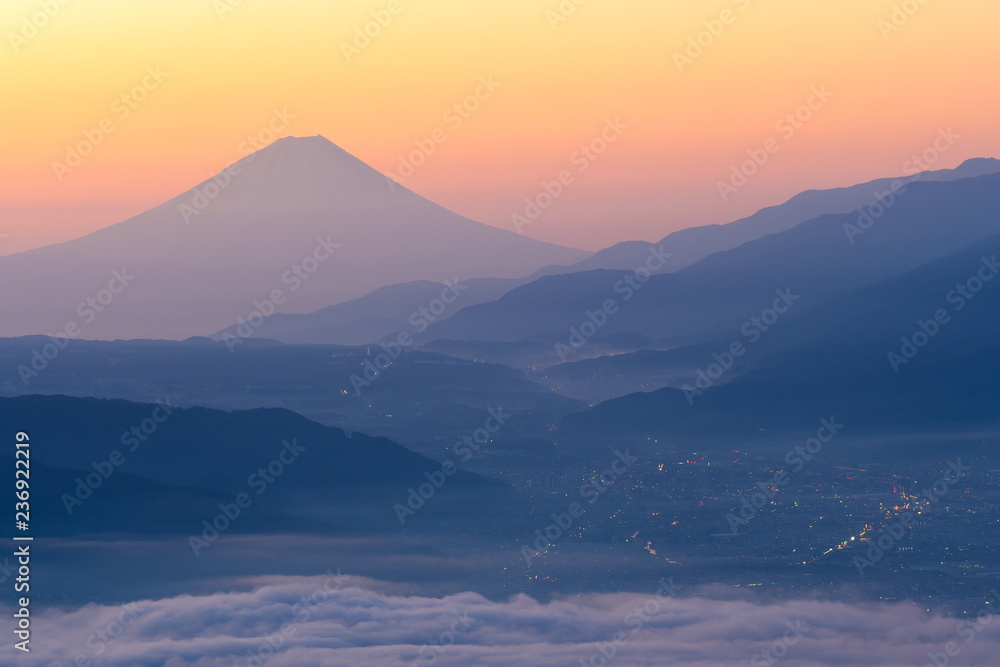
{"x": 388, "y": 310}
{"x": 909, "y": 362}
{"x": 134, "y": 505}
{"x": 301, "y": 216}
{"x": 693, "y": 244}
{"x": 382, "y": 313}
{"x": 854, "y": 282}
{"x": 426, "y": 396}
{"x": 816, "y": 260}
{"x": 194, "y": 458}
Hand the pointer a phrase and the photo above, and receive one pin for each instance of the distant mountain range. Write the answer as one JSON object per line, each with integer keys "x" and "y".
{"x": 817, "y": 297}
{"x": 410, "y": 307}
{"x": 421, "y": 399}
{"x": 178, "y": 463}
{"x": 388, "y": 311}
{"x": 909, "y": 363}
{"x": 303, "y": 243}
{"x": 693, "y": 244}
{"x": 815, "y": 260}
{"x": 296, "y": 226}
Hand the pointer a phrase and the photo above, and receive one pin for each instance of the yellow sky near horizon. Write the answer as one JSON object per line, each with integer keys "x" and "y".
{"x": 229, "y": 64}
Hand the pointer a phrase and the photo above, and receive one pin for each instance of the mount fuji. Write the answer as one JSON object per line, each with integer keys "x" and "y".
{"x": 299, "y": 225}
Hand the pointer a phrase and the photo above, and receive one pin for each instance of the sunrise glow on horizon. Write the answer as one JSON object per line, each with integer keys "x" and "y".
{"x": 695, "y": 88}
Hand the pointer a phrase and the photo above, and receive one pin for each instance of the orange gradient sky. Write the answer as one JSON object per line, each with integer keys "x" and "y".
{"x": 226, "y": 72}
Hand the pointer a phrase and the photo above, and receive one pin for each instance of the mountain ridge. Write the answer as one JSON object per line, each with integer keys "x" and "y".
{"x": 300, "y": 215}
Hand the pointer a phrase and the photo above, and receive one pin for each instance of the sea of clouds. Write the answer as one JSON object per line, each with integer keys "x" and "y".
{"x": 338, "y": 620}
